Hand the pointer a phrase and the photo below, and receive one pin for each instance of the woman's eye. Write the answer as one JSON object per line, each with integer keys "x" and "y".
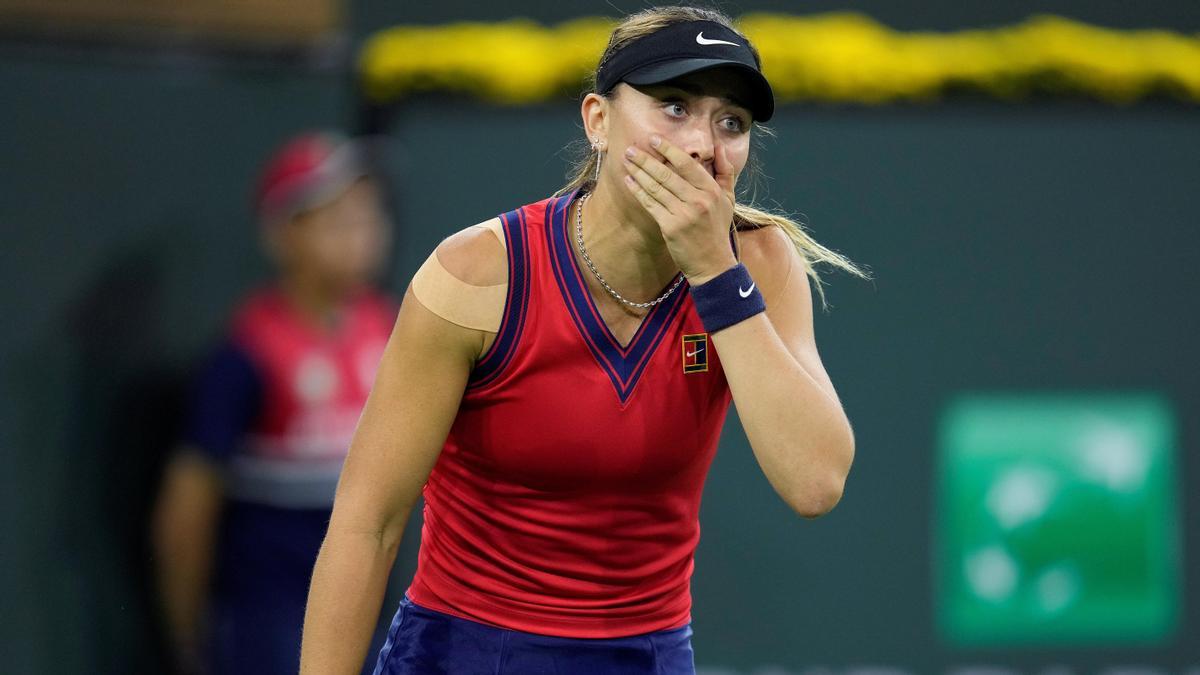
{"x": 675, "y": 109}
{"x": 734, "y": 124}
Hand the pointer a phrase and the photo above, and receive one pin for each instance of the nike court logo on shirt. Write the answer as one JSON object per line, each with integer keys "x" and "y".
{"x": 745, "y": 292}
{"x": 691, "y": 354}
{"x": 700, "y": 39}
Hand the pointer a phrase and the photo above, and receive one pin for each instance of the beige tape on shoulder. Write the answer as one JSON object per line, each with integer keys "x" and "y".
{"x": 460, "y": 303}
{"x": 496, "y": 228}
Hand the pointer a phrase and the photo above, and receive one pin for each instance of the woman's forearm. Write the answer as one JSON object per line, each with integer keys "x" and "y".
{"x": 344, "y": 600}
{"x": 795, "y": 424}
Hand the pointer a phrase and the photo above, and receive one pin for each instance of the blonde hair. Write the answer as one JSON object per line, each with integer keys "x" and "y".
{"x": 745, "y": 216}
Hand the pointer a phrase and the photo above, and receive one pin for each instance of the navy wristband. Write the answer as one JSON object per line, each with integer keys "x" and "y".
{"x": 728, "y": 298}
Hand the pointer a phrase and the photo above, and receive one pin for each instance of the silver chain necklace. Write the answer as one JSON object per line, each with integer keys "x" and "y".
{"x": 591, "y": 266}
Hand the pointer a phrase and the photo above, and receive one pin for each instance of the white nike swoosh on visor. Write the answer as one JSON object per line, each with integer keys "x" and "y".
{"x": 700, "y": 39}
{"x": 746, "y": 293}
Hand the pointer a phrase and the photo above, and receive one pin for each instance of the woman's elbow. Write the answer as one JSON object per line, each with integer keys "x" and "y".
{"x": 817, "y": 500}
{"x": 822, "y": 492}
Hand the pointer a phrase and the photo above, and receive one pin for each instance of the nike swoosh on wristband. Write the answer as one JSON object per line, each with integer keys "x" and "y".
{"x": 745, "y": 293}
{"x": 700, "y": 39}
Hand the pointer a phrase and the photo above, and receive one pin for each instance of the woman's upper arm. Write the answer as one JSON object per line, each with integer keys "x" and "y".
{"x": 418, "y": 387}
{"x": 781, "y": 275}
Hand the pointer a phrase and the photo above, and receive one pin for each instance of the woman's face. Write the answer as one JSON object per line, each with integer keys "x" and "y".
{"x": 697, "y": 113}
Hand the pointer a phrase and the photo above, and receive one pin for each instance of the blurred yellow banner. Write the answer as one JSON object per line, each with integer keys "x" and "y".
{"x": 841, "y": 57}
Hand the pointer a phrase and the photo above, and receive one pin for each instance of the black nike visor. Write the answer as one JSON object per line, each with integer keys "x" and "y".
{"x": 685, "y": 48}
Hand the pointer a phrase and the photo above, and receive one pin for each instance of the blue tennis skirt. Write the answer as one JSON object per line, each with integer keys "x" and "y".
{"x": 424, "y": 642}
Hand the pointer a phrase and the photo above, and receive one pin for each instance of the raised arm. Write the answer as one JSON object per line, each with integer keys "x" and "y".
{"x": 412, "y": 405}
{"x": 785, "y": 400}
{"x": 787, "y": 405}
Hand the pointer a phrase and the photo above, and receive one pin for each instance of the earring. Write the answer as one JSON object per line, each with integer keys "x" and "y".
{"x": 598, "y": 146}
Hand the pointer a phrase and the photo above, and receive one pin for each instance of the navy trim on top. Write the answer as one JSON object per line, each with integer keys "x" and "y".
{"x": 624, "y": 365}
{"x": 515, "y": 304}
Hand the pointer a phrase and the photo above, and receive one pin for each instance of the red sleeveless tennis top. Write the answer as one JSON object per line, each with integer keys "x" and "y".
{"x": 566, "y": 499}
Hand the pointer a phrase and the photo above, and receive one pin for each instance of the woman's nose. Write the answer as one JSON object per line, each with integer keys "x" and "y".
{"x": 698, "y": 141}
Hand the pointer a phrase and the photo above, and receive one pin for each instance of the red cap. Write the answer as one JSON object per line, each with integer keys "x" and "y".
{"x": 308, "y": 171}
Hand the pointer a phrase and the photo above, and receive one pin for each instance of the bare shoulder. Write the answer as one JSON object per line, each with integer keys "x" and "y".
{"x": 765, "y": 243}
{"x": 476, "y": 255}
{"x": 781, "y": 274}
{"x": 465, "y": 280}
{"x": 769, "y": 255}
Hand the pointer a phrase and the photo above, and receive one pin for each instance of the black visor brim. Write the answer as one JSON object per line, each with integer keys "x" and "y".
{"x": 760, "y": 99}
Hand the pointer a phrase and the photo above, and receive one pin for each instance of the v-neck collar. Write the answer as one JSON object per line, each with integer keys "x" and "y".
{"x": 623, "y": 364}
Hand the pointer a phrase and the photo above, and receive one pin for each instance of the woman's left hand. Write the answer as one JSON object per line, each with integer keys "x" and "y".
{"x": 693, "y": 209}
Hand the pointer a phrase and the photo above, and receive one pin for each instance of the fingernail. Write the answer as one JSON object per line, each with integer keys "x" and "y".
{"x": 630, "y": 152}
{"x": 655, "y": 140}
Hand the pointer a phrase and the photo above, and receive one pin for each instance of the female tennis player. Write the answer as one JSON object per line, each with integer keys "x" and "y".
{"x": 557, "y": 380}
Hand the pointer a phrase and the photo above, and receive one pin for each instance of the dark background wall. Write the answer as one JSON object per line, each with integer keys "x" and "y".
{"x": 1039, "y": 246}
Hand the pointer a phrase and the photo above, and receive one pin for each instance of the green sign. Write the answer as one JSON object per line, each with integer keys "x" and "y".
{"x": 1058, "y": 521}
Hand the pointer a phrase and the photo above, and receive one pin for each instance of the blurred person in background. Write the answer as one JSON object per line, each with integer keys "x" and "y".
{"x": 247, "y": 496}
{"x": 553, "y": 389}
